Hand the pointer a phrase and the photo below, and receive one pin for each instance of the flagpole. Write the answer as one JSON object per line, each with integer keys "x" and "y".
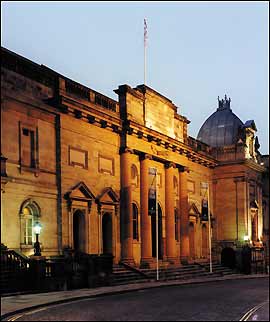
{"x": 209, "y": 228}
{"x": 157, "y": 226}
{"x": 145, "y": 37}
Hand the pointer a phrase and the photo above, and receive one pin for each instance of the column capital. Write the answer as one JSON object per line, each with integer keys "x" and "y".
{"x": 144, "y": 156}
{"x": 184, "y": 169}
{"x": 239, "y": 179}
{"x": 169, "y": 165}
{"x": 125, "y": 150}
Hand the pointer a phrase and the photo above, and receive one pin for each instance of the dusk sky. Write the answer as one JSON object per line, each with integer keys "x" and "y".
{"x": 196, "y": 51}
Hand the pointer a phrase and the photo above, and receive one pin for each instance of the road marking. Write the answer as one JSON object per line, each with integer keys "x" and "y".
{"x": 246, "y": 316}
{"x": 15, "y": 317}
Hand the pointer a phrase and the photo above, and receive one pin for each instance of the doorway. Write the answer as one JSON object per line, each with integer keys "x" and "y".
{"x": 191, "y": 231}
{"x": 79, "y": 230}
{"x": 154, "y": 241}
{"x": 107, "y": 233}
{"x": 228, "y": 257}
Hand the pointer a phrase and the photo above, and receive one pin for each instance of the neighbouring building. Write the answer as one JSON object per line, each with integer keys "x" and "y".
{"x": 81, "y": 164}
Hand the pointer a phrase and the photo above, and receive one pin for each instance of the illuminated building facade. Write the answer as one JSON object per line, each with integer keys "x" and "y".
{"x": 78, "y": 163}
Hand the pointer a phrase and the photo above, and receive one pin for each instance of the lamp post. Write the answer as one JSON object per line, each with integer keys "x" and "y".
{"x": 37, "y": 249}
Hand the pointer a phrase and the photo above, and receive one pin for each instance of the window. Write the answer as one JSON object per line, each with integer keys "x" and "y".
{"x": 176, "y": 221}
{"x": 29, "y": 216}
{"x": 135, "y": 222}
{"x": 29, "y": 146}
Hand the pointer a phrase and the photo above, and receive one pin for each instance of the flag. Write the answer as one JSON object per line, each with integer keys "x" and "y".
{"x": 145, "y": 32}
{"x": 152, "y": 191}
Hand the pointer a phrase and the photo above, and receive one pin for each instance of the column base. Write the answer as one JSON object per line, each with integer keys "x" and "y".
{"x": 147, "y": 262}
{"x": 184, "y": 260}
{"x": 129, "y": 261}
{"x": 173, "y": 260}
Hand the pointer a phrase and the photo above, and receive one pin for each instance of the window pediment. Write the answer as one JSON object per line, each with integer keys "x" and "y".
{"x": 80, "y": 192}
{"x": 108, "y": 196}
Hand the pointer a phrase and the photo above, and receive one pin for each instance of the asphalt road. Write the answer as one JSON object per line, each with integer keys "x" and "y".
{"x": 215, "y": 301}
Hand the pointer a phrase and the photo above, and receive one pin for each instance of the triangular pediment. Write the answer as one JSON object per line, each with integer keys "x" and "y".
{"x": 108, "y": 196}
{"x": 80, "y": 191}
{"x": 193, "y": 210}
{"x": 254, "y": 204}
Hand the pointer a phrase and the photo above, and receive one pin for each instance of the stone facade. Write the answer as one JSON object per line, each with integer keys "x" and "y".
{"x": 78, "y": 162}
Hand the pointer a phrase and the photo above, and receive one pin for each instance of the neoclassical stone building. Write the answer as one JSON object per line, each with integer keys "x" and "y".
{"x": 78, "y": 163}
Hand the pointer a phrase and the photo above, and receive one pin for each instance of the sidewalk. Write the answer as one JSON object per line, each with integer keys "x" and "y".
{"x": 11, "y": 305}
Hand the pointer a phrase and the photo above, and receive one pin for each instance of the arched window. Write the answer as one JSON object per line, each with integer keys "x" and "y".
{"x": 135, "y": 222}
{"x": 29, "y": 216}
{"x": 176, "y": 223}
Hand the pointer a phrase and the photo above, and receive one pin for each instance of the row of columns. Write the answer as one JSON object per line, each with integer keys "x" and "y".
{"x": 146, "y": 233}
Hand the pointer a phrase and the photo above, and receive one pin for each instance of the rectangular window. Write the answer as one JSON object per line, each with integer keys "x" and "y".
{"x": 28, "y": 147}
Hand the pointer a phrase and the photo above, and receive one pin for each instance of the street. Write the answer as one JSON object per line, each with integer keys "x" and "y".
{"x": 216, "y": 301}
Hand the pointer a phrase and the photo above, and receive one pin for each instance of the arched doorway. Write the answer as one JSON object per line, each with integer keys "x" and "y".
{"x": 79, "y": 230}
{"x": 228, "y": 257}
{"x": 107, "y": 233}
{"x": 154, "y": 241}
{"x": 191, "y": 240}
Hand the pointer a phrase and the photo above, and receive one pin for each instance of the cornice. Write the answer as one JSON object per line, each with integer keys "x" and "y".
{"x": 160, "y": 139}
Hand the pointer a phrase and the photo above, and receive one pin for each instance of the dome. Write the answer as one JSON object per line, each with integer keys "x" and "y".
{"x": 221, "y": 128}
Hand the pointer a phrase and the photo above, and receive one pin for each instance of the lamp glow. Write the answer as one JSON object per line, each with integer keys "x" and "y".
{"x": 246, "y": 238}
{"x": 37, "y": 228}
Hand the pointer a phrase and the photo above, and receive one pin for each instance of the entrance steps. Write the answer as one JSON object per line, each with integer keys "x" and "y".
{"x": 123, "y": 275}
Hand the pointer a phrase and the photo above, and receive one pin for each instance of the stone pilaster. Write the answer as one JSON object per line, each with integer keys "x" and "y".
{"x": 146, "y": 234}
{"x": 126, "y": 207}
{"x": 184, "y": 215}
{"x": 169, "y": 210}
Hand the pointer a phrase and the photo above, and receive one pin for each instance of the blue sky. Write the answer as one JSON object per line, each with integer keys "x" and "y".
{"x": 196, "y": 50}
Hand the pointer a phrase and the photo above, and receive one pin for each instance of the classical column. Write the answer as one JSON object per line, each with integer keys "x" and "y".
{"x": 184, "y": 215}
{"x": 169, "y": 210}
{"x": 146, "y": 232}
{"x": 126, "y": 207}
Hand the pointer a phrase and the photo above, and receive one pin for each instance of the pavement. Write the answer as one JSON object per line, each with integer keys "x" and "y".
{"x": 15, "y": 304}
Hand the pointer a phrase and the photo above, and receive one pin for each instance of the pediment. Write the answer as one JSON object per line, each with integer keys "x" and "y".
{"x": 193, "y": 210}
{"x": 80, "y": 191}
{"x": 254, "y": 204}
{"x": 108, "y": 196}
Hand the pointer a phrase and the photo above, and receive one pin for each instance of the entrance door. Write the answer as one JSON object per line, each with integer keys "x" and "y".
{"x": 191, "y": 240}
{"x": 228, "y": 257}
{"x": 154, "y": 242}
{"x": 79, "y": 230}
{"x": 204, "y": 241}
{"x": 107, "y": 233}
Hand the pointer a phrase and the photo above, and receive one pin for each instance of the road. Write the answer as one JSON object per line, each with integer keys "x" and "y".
{"x": 216, "y": 301}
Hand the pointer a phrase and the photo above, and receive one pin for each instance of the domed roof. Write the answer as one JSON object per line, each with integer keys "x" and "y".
{"x": 221, "y": 128}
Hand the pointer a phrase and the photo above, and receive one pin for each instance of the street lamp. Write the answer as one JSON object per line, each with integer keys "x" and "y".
{"x": 37, "y": 249}
{"x": 246, "y": 238}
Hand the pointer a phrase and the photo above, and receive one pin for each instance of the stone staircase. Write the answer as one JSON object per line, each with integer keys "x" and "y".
{"x": 123, "y": 275}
